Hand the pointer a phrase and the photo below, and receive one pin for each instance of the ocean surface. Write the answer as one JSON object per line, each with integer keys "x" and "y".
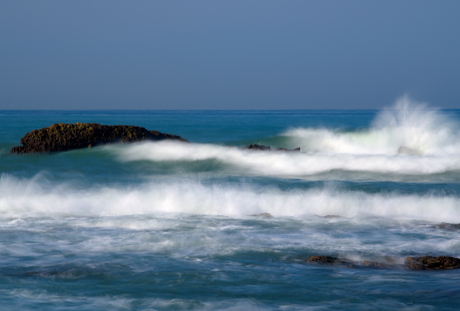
{"x": 168, "y": 226}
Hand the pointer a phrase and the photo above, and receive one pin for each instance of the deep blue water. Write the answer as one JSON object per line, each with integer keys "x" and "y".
{"x": 167, "y": 225}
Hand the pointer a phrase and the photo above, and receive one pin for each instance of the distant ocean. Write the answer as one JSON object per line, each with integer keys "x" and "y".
{"x": 168, "y": 226}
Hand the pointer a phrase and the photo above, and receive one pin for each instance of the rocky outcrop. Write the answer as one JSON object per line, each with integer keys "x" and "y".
{"x": 432, "y": 263}
{"x": 63, "y": 137}
{"x": 412, "y": 263}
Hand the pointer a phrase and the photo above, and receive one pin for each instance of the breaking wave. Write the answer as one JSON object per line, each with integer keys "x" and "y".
{"x": 407, "y": 139}
{"x": 36, "y": 197}
{"x": 406, "y": 128}
{"x": 290, "y": 163}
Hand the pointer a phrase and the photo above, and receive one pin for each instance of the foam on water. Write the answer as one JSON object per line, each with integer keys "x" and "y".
{"x": 28, "y": 197}
{"x": 289, "y": 163}
{"x": 408, "y": 139}
{"x": 408, "y": 124}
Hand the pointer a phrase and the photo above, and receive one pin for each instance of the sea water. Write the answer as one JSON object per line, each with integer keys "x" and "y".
{"x": 168, "y": 225}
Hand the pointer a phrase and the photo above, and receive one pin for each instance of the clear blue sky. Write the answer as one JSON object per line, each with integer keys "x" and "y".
{"x": 228, "y": 54}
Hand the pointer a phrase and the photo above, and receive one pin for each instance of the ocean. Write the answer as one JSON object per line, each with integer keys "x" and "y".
{"x": 170, "y": 225}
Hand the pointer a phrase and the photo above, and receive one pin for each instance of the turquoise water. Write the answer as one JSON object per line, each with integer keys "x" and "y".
{"x": 167, "y": 225}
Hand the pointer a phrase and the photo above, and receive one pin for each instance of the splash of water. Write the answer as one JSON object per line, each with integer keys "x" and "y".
{"x": 408, "y": 127}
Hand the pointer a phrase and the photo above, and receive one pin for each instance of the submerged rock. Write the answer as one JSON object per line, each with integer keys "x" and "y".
{"x": 376, "y": 265}
{"x": 63, "y": 137}
{"x": 265, "y": 215}
{"x": 331, "y": 260}
{"x": 432, "y": 263}
{"x": 267, "y": 148}
{"x": 412, "y": 263}
{"x": 257, "y": 147}
{"x": 323, "y": 259}
{"x": 349, "y": 263}
{"x": 447, "y": 226}
{"x": 285, "y": 149}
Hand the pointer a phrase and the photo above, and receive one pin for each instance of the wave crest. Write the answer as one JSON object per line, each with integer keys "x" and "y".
{"x": 409, "y": 125}
{"x": 36, "y": 200}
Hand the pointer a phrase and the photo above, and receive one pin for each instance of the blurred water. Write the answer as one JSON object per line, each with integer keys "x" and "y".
{"x": 167, "y": 226}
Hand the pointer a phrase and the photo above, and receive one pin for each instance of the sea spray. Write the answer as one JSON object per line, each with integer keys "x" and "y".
{"x": 426, "y": 130}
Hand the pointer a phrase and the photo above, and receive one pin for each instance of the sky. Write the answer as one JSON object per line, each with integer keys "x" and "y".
{"x": 234, "y": 54}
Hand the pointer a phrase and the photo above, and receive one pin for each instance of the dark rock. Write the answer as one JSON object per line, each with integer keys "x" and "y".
{"x": 267, "y": 148}
{"x": 323, "y": 259}
{"x": 257, "y": 147}
{"x": 432, "y": 263}
{"x": 285, "y": 149}
{"x": 266, "y": 215}
{"x": 413, "y": 263}
{"x": 447, "y": 226}
{"x": 63, "y": 137}
{"x": 349, "y": 263}
{"x": 331, "y": 260}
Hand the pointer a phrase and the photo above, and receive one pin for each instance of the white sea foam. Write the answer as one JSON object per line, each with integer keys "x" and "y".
{"x": 408, "y": 139}
{"x": 29, "y": 198}
{"x": 408, "y": 124}
{"x": 289, "y": 163}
